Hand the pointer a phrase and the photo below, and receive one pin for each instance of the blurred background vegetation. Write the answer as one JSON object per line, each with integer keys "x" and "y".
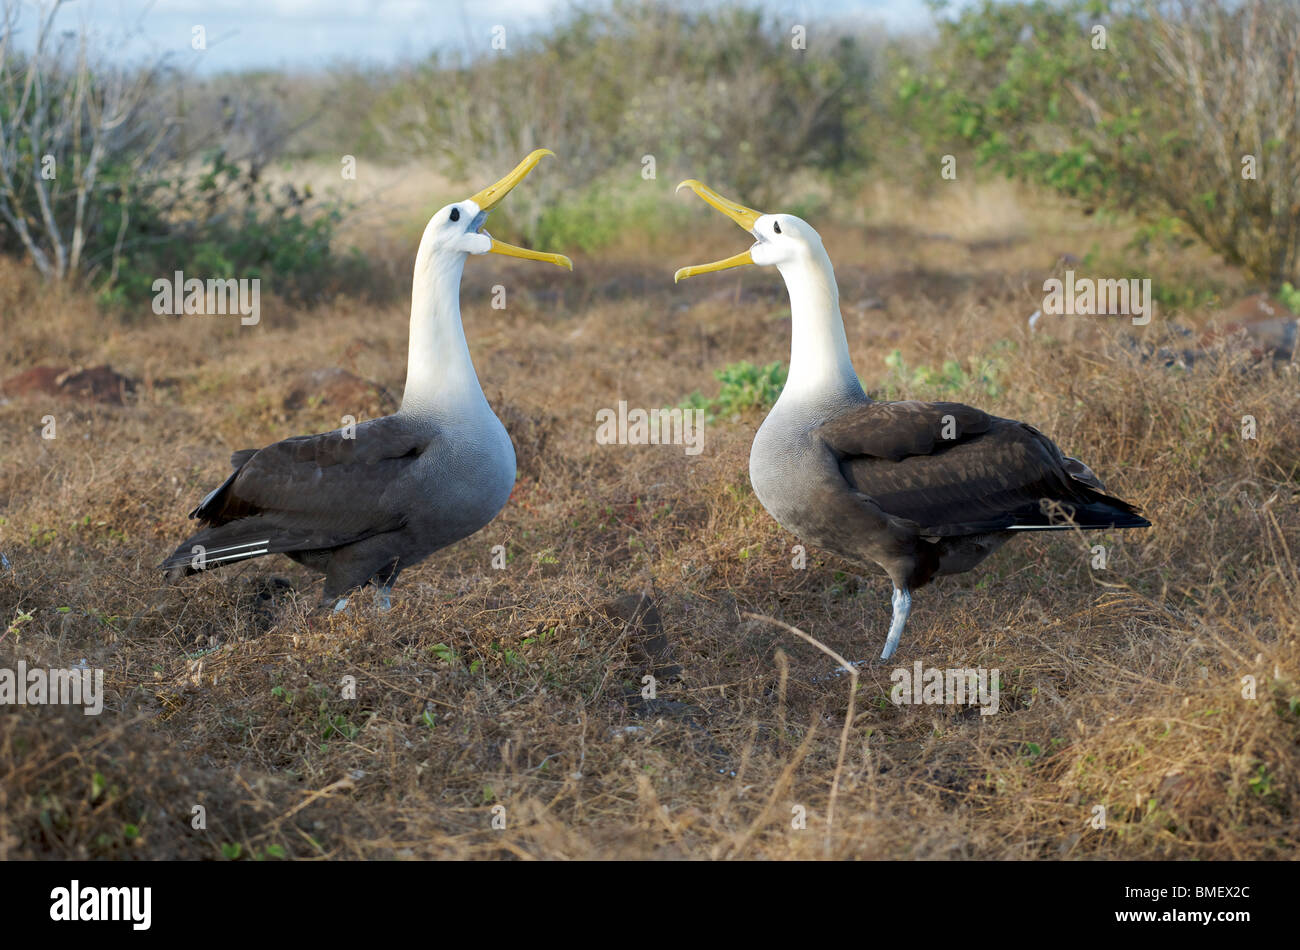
{"x": 1155, "y": 117}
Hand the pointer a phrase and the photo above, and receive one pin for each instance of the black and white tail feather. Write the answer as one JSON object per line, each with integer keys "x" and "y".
{"x": 222, "y": 544}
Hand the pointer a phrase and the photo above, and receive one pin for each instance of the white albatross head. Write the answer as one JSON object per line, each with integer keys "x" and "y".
{"x": 456, "y": 230}
{"x": 780, "y": 238}
{"x": 439, "y": 372}
{"x": 821, "y": 372}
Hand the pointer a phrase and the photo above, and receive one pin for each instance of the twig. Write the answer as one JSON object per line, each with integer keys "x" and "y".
{"x": 848, "y": 717}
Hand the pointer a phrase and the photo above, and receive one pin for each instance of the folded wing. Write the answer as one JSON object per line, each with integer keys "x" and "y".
{"x": 954, "y": 470}
{"x": 305, "y": 493}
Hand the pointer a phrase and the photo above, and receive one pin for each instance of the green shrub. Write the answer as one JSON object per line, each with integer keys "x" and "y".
{"x": 99, "y": 181}
{"x": 1289, "y": 296}
{"x": 719, "y": 94}
{"x": 744, "y": 387}
{"x": 1160, "y": 122}
{"x": 984, "y": 375}
{"x": 223, "y": 222}
{"x": 596, "y": 215}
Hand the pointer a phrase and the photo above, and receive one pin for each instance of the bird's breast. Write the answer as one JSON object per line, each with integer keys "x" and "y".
{"x": 467, "y": 477}
{"x": 797, "y": 479}
{"x": 790, "y": 471}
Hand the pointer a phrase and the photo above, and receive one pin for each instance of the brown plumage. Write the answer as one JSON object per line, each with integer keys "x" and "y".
{"x": 990, "y": 473}
{"x": 345, "y": 503}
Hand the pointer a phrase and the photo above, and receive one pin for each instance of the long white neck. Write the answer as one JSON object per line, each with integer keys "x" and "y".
{"x": 820, "y": 367}
{"x": 439, "y": 372}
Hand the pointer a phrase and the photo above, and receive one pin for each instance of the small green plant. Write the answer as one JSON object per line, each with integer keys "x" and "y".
{"x": 540, "y": 638}
{"x": 39, "y": 537}
{"x": 337, "y": 725}
{"x": 1289, "y": 296}
{"x": 444, "y": 653}
{"x": 744, "y": 387}
{"x": 1261, "y": 783}
{"x": 509, "y": 656}
{"x": 112, "y": 620}
{"x": 20, "y": 618}
{"x": 984, "y": 375}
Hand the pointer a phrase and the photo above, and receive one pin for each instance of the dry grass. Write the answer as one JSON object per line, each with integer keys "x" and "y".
{"x": 1120, "y": 687}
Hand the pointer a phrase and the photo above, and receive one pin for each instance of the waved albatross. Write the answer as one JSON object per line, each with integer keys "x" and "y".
{"x": 919, "y": 488}
{"x": 360, "y": 509}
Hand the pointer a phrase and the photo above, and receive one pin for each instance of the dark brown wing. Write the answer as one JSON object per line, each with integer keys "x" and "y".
{"x": 309, "y": 492}
{"x": 954, "y": 470}
{"x": 895, "y": 430}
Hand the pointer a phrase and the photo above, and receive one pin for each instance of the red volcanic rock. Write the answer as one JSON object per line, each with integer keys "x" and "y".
{"x": 96, "y": 384}
{"x": 338, "y": 389}
{"x": 1256, "y": 307}
{"x": 1264, "y": 326}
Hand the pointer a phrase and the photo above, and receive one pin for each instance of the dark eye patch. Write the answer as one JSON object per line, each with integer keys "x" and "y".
{"x": 455, "y": 214}
{"x": 776, "y": 226}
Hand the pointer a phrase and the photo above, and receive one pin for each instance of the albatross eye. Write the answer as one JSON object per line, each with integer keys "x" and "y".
{"x": 776, "y": 226}
{"x": 455, "y": 214}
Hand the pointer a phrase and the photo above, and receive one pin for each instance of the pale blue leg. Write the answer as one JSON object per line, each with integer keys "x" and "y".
{"x": 384, "y": 597}
{"x": 341, "y": 605}
{"x": 902, "y": 608}
{"x": 902, "y": 601}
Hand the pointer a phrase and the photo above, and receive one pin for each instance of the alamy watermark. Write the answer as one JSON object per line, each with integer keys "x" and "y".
{"x": 77, "y": 686}
{"x": 82, "y": 902}
{"x": 952, "y": 687}
{"x": 210, "y": 297}
{"x": 1087, "y": 296}
{"x": 651, "y": 427}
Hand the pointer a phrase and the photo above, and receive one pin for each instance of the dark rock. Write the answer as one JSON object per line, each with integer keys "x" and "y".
{"x": 646, "y": 637}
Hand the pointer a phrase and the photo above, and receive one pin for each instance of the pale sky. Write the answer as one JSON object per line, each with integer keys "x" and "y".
{"x": 297, "y": 34}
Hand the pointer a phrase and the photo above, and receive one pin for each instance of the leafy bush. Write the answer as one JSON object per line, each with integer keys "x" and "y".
{"x": 69, "y": 138}
{"x": 99, "y": 183}
{"x": 224, "y": 222}
{"x": 718, "y": 94}
{"x": 596, "y": 215}
{"x": 1289, "y": 296}
{"x": 1164, "y": 120}
{"x": 984, "y": 375}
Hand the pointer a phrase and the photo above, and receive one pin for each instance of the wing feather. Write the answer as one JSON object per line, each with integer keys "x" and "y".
{"x": 955, "y": 470}
{"x": 321, "y": 490}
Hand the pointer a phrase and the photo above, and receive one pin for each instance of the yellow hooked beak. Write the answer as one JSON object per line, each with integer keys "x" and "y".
{"x": 745, "y": 217}
{"x": 490, "y": 197}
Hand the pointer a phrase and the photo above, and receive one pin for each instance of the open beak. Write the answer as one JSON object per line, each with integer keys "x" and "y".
{"x": 745, "y": 217}
{"x": 490, "y": 197}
